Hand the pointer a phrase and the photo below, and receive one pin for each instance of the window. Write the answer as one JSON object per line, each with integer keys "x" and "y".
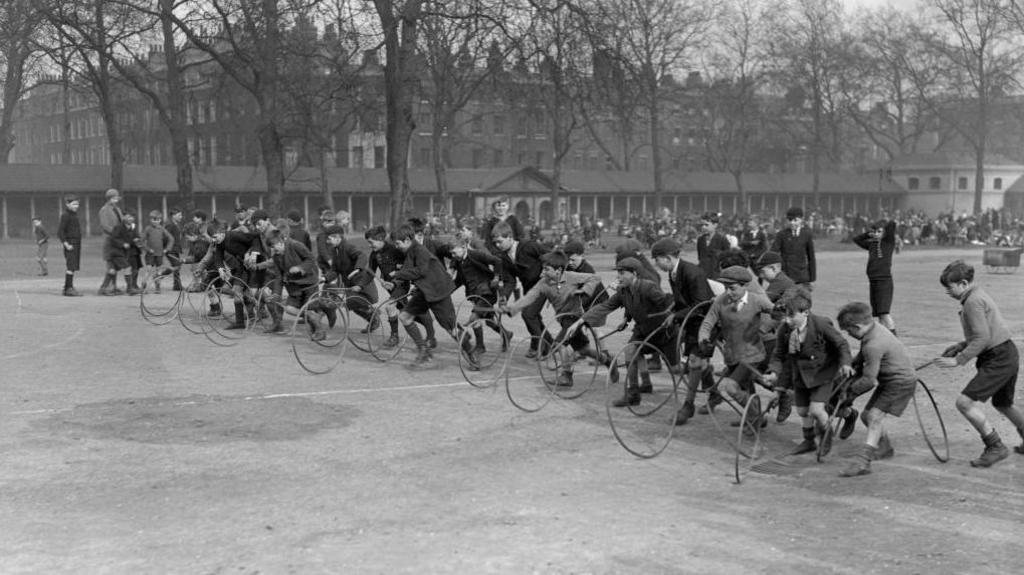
{"x": 378, "y": 156}
{"x": 499, "y": 158}
{"x": 997, "y": 183}
{"x": 425, "y": 159}
{"x": 961, "y": 183}
{"x": 499, "y": 125}
{"x": 478, "y": 158}
{"x": 934, "y": 183}
{"x": 539, "y": 159}
{"x": 478, "y": 125}
{"x": 913, "y": 183}
{"x": 357, "y": 156}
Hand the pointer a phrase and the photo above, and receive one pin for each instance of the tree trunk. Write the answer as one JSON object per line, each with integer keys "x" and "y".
{"x": 325, "y": 183}
{"x": 13, "y": 83}
{"x": 655, "y": 126}
{"x": 175, "y": 117}
{"x": 272, "y": 152}
{"x": 744, "y": 200}
{"x": 440, "y": 168}
{"x": 400, "y": 44}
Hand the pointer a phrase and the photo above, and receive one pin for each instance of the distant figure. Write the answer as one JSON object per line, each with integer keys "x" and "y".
{"x": 796, "y": 246}
{"x": 69, "y": 232}
{"x": 880, "y": 242}
{"x": 42, "y": 244}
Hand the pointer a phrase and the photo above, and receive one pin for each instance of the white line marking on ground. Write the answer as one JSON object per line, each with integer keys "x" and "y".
{"x": 295, "y": 394}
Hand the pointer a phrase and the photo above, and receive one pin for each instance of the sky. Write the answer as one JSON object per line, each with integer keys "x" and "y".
{"x": 902, "y": 4}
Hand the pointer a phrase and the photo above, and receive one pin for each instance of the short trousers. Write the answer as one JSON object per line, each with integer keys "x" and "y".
{"x": 880, "y": 295}
{"x": 997, "y": 375}
{"x": 154, "y": 260}
{"x": 579, "y": 340}
{"x": 444, "y": 309}
{"x": 119, "y": 263}
{"x": 41, "y": 250}
{"x": 892, "y": 398}
{"x": 745, "y": 373}
{"x": 73, "y": 257}
{"x": 664, "y": 340}
{"x": 803, "y": 396}
{"x": 298, "y": 295}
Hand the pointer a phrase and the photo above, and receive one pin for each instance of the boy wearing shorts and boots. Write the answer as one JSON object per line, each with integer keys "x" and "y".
{"x": 884, "y": 365}
{"x": 42, "y": 244}
{"x": 987, "y": 339}
{"x": 809, "y": 355}
{"x": 69, "y": 232}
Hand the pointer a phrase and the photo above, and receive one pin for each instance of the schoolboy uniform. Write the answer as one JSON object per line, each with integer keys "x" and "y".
{"x": 123, "y": 250}
{"x": 350, "y": 268}
{"x": 807, "y": 360}
{"x": 522, "y": 261}
{"x": 795, "y": 245}
{"x": 879, "y": 266}
{"x": 69, "y": 232}
{"x": 647, "y": 306}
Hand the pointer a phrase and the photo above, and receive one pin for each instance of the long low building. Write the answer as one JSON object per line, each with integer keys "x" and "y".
{"x": 27, "y": 190}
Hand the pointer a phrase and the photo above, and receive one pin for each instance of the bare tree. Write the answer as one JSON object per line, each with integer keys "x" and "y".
{"x": 19, "y": 23}
{"x": 810, "y": 56}
{"x": 246, "y": 39}
{"x": 654, "y": 40}
{"x": 456, "y": 44}
{"x": 160, "y": 77}
{"x": 88, "y": 33}
{"x": 980, "y": 56}
{"x": 891, "y": 74}
{"x": 737, "y": 66}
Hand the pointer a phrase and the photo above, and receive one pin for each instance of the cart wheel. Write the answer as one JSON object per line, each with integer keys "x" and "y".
{"x": 379, "y": 341}
{"x": 566, "y": 373}
{"x": 315, "y": 355}
{"x": 645, "y": 429}
{"x": 933, "y": 428}
{"x": 523, "y": 385}
{"x": 157, "y": 308}
{"x": 195, "y": 306}
{"x": 360, "y": 319}
{"x": 490, "y": 353}
{"x": 218, "y": 331}
{"x": 749, "y": 449}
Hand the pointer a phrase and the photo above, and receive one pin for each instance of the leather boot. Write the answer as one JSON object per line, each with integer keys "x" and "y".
{"x": 808, "y": 445}
{"x": 994, "y": 452}
{"x": 860, "y": 464}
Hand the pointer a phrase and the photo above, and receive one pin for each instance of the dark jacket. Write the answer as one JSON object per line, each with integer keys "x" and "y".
{"x": 295, "y": 255}
{"x": 518, "y": 233}
{"x": 754, "y": 242}
{"x": 349, "y": 264}
{"x": 879, "y": 251}
{"x": 526, "y": 267}
{"x": 475, "y": 272}
{"x": 124, "y": 242}
{"x": 426, "y": 272}
{"x": 709, "y": 248}
{"x": 69, "y": 230}
{"x": 645, "y": 304}
{"x": 689, "y": 288}
{"x": 822, "y": 353}
{"x": 797, "y": 254}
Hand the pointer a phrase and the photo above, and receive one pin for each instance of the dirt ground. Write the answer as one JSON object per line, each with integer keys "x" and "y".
{"x": 132, "y": 448}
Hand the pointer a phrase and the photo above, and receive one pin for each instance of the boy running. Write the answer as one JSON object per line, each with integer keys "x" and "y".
{"x": 986, "y": 339}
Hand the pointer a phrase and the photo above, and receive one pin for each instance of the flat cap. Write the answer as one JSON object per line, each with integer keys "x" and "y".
{"x": 574, "y": 247}
{"x": 665, "y": 247}
{"x": 734, "y": 275}
{"x": 767, "y": 259}
{"x": 629, "y": 264}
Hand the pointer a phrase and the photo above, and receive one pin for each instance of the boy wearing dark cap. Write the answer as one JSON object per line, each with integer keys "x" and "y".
{"x": 775, "y": 283}
{"x": 474, "y": 270}
{"x": 986, "y": 339}
{"x": 689, "y": 287}
{"x": 566, "y": 291}
{"x": 711, "y": 244}
{"x": 521, "y": 260}
{"x": 795, "y": 245}
{"x": 433, "y": 294}
{"x": 297, "y": 229}
{"x": 880, "y": 242}
{"x": 294, "y": 269}
{"x": 735, "y": 316}
{"x": 69, "y": 232}
{"x": 808, "y": 357}
{"x": 647, "y": 306}
{"x": 123, "y": 247}
{"x": 350, "y": 268}
{"x": 110, "y": 216}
